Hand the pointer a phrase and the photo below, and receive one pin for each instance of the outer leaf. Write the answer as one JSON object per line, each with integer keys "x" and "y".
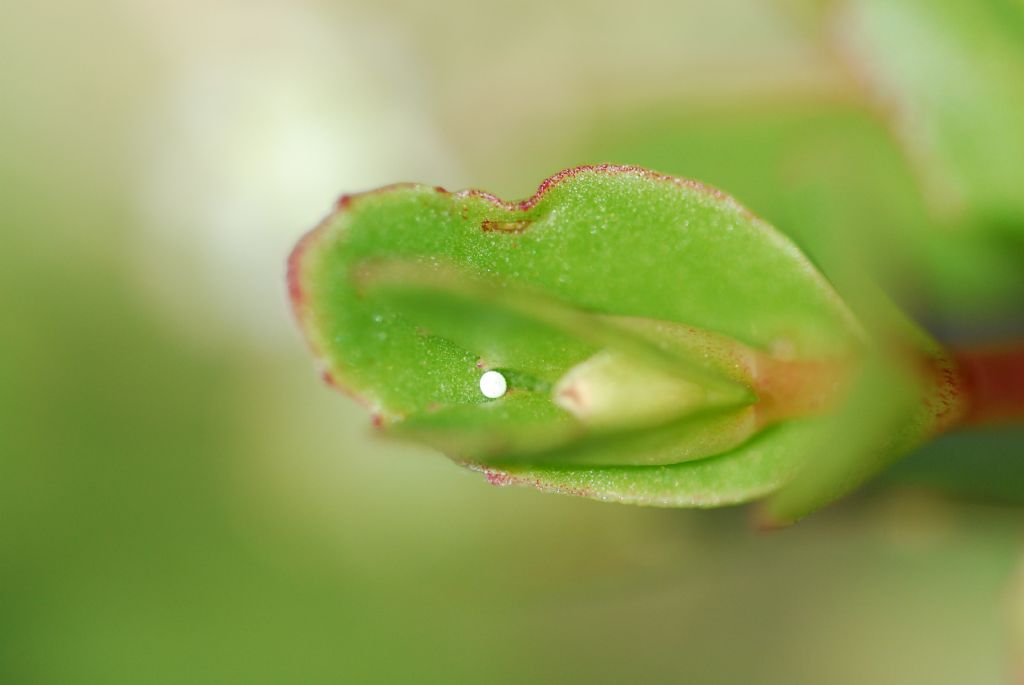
{"x": 615, "y": 243}
{"x": 758, "y": 468}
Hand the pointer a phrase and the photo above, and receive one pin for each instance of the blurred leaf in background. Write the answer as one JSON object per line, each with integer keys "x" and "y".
{"x": 947, "y": 74}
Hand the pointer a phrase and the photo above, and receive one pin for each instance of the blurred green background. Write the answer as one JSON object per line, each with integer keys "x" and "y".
{"x": 183, "y": 501}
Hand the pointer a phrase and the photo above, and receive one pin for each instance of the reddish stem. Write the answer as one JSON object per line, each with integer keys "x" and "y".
{"x": 991, "y": 381}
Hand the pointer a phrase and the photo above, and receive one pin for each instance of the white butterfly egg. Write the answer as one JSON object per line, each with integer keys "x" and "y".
{"x": 493, "y": 384}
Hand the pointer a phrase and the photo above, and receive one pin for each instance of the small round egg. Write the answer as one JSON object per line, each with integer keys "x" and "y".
{"x": 493, "y": 384}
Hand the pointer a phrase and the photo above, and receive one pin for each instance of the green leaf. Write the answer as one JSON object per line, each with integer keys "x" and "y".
{"x": 757, "y": 468}
{"x": 634, "y": 316}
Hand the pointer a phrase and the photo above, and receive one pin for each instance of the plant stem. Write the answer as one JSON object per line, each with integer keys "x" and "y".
{"x": 992, "y": 383}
